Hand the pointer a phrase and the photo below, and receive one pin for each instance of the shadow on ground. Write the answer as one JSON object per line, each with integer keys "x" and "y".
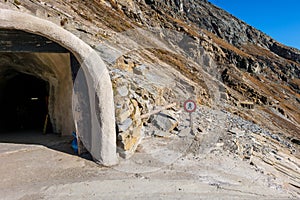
{"x": 49, "y": 140}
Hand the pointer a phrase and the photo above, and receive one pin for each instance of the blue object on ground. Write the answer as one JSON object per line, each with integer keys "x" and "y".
{"x": 74, "y": 143}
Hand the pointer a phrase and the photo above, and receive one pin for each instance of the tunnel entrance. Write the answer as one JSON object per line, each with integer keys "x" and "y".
{"x": 36, "y": 47}
{"x": 24, "y": 103}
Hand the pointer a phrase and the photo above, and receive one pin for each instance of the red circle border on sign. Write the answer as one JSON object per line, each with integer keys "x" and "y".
{"x": 186, "y": 102}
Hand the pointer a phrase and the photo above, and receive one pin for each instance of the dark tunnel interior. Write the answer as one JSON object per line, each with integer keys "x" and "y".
{"x": 24, "y": 102}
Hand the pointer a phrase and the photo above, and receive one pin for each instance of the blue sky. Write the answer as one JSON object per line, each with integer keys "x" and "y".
{"x": 279, "y": 19}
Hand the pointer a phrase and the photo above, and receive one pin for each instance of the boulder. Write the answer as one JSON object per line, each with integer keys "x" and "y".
{"x": 164, "y": 122}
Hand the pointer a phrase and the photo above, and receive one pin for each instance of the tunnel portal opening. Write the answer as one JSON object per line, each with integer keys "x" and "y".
{"x": 24, "y": 104}
{"x": 37, "y": 47}
{"x": 36, "y": 80}
{"x": 36, "y": 84}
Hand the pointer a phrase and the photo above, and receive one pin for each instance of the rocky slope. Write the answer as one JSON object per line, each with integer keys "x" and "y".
{"x": 252, "y": 64}
{"x": 165, "y": 51}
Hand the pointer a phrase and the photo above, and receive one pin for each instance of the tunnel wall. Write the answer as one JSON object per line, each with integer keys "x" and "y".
{"x": 102, "y": 130}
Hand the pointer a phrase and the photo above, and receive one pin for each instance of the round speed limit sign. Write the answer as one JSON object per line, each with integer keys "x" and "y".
{"x": 190, "y": 106}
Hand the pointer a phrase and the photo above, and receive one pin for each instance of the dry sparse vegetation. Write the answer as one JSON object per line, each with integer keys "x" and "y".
{"x": 225, "y": 45}
{"x": 116, "y": 21}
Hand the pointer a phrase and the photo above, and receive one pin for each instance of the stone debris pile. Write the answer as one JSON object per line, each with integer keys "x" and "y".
{"x": 270, "y": 153}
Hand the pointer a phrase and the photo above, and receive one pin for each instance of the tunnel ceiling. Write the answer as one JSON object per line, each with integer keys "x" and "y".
{"x": 18, "y": 42}
{"x": 16, "y": 47}
{"x": 27, "y": 63}
{"x": 21, "y": 41}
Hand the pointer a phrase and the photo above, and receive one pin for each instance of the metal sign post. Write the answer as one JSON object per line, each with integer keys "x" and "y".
{"x": 190, "y": 107}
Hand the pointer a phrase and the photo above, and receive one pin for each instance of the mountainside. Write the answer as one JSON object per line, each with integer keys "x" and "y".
{"x": 160, "y": 52}
{"x": 270, "y": 69}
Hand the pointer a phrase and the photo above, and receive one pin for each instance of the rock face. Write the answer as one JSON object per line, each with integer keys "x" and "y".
{"x": 166, "y": 51}
{"x": 250, "y": 65}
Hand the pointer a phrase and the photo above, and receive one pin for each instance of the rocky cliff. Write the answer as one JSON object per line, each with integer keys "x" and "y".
{"x": 165, "y": 51}
{"x": 251, "y": 66}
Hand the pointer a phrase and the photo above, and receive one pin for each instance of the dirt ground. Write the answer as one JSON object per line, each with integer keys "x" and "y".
{"x": 162, "y": 168}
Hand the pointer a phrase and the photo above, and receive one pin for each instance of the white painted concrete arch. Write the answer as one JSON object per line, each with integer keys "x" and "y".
{"x": 102, "y": 144}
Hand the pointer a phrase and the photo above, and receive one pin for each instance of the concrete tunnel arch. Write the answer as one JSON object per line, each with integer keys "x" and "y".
{"x": 98, "y": 102}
